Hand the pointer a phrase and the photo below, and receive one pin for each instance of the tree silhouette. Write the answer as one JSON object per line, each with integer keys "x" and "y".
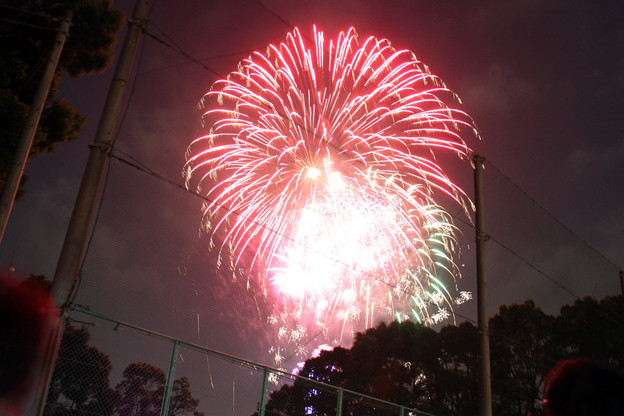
{"x": 140, "y": 393}
{"x": 141, "y": 390}
{"x": 26, "y": 36}
{"x": 592, "y": 328}
{"x": 437, "y": 371}
{"x": 80, "y": 380}
{"x": 523, "y": 350}
{"x": 182, "y": 401}
{"x": 456, "y": 383}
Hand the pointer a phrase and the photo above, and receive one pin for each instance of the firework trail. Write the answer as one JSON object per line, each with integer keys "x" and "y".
{"x": 319, "y": 165}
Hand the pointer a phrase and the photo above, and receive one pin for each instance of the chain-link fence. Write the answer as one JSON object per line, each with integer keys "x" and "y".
{"x": 106, "y": 367}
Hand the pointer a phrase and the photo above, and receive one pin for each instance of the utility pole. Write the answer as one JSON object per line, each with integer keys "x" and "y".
{"x": 14, "y": 176}
{"x": 485, "y": 382}
{"x": 72, "y": 252}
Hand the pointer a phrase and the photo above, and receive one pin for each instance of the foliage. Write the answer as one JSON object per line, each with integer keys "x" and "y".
{"x": 141, "y": 393}
{"x": 437, "y": 371}
{"x": 80, "y": 380}
{"x": 457, "y": 380}
{"x": 25, "y": 42}
{"x": 182, "y": 401}
{"x": 522, "y": 353}
{"x": 80, "y": 384}
{"x": 592, "y": 328}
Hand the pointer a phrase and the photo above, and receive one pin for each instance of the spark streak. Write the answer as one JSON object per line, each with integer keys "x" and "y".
{"x": 325, "y": 158}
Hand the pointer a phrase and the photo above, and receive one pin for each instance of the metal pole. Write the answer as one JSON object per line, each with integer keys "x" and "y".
{"x": 71, "y": 254}
{"x": 75, "y": 239}
{"x": 339, "y": 402}
{"x": 7, "y": 198}
{"x": 265, "y": 380}
{"x": 77, "y": 233}
{"x": 238, "y": 360}
{"x": 173, "y": 362}
{"x": 53, "y": 336}
{"x": 14, "y": 176}
{"x": 485, "y": 384}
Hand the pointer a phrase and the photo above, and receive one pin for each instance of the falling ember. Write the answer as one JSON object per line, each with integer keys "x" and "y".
{"x": 319, "y": 165}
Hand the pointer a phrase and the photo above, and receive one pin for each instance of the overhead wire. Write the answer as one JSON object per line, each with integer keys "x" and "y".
{"x": 143, "y": 168}
{"x": 525, "y": 261}
{"x": 194, "y": 60}
{"x": 34, "y": 26}
{"x": 105, "y": 182}
{"x": 26, "y": 11}
{"x": 133, "y": 162}
{"x": 34, "y": 69}
{"x": 553, "y": 217}
{"x": 209, "y": 58}
{"x": 176, "y": 47}
{"x": 497, "y": 241}
{"x": 21, "y": 11}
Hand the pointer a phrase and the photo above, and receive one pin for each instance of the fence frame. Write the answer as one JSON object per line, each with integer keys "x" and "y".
{"x": 177, "y": 342}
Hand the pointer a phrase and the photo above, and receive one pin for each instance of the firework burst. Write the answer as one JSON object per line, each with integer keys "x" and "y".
{"x": 319, "y": 164}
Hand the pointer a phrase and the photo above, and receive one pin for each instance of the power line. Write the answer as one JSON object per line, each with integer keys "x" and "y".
{"x": 145, "y": 169}
{"x": 225, "y": 55}
{"x": 179, "y": 50}
{"x": 275, "y": 15}
{"x": 26, "y": 11}
{"x": 21, "y": 11}
{"x": 17, "y": 22}
{"x": 553, "y": 217}
{"x": 98, "y": 210}
{"x": 140, "y": 166}
{"x": 174, "y": 46}
{"x": 281, "y": 19}
{"x": 532, "y": 266}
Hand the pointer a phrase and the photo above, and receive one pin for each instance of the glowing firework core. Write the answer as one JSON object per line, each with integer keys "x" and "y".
{"x": 320, "y": 162}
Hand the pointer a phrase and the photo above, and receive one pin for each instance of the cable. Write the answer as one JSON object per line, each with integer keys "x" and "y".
{"x": 552, "y": 216}
{"x": 274, "y": 14}
{"x": 27, "y": 24}
{"x": 107, "y": 174}
{"x": 144, "y": 168}
{"x": 184, "y": 54}
{"x": 509, "y": 340}
{"x": 21, "y": 11}
{"x": 179, "y": 49}
{"x": 26, "y": 11}
{"x": 225, "y": 55}
{"x": 539, "y": 271}
{"x": 34, "y": 70}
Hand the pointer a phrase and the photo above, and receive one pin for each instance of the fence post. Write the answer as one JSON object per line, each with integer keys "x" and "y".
{"x": 265, "y": 380}
{"x": 173, "y": 362}
{"x": 339, "y": 404}
{"x": 401, "y": 410}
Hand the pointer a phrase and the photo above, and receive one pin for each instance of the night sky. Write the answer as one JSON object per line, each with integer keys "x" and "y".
{"x": 544, "y": 81}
